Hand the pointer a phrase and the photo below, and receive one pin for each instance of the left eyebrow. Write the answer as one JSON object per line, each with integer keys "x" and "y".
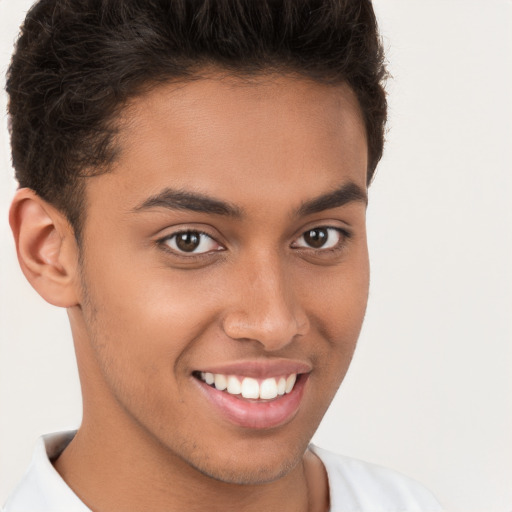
{"x": 347, "y": 193}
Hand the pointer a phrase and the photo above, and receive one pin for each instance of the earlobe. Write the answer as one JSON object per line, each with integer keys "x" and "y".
{"x": 46, "y": 247}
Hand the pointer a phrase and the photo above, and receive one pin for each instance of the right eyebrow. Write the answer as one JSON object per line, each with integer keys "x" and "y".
{"x": 183, "y": 200}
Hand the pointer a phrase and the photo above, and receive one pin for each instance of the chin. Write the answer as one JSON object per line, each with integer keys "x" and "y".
{"x": 256, "y": 463}
{"x": 252, "y": 472}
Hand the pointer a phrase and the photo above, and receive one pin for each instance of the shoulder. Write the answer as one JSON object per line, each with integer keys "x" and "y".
{"x": 357, "y": 486}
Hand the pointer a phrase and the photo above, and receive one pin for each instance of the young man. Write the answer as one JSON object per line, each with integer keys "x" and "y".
{"x": 193, "y": 182}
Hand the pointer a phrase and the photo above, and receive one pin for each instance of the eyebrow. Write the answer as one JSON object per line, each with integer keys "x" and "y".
{"x": 348, "y": 193}
{"x": 197, "y": 202}
{"x": 193, "y": 201}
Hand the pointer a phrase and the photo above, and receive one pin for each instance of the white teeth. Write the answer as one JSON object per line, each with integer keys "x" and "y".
{"x": 290, "y": 382}
{"x": 250, "y": 388}
{"x": 234, "y": 386}
{"x": 281, "y": 386}
{"x": 267, "y": 389}
{"x": 220, "y": 382}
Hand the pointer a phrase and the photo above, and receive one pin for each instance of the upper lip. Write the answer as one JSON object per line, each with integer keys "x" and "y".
{"x": 260, "y": 369}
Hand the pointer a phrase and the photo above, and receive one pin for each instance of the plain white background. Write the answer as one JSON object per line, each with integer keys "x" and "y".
{"x": 430, "y": 389}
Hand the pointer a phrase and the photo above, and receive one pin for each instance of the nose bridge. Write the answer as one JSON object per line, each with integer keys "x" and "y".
{"x": 265, "y": 307}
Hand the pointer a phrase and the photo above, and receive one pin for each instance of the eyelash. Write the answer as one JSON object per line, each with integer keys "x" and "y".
{"x": 338, "y": 246}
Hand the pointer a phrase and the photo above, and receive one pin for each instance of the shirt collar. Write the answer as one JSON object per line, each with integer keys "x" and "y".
{"x": 42, "y": 489}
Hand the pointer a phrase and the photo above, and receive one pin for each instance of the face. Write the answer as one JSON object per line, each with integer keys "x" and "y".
{"x": 227, "y": 248}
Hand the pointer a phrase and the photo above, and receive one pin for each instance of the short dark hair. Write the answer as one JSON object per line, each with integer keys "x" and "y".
{"x": 77, "y": 63}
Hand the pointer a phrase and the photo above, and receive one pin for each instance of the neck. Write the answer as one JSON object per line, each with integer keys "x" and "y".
{"x": 108, "y": 477}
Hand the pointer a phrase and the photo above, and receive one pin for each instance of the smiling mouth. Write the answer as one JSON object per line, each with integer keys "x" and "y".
{"x": 258, "y": 390}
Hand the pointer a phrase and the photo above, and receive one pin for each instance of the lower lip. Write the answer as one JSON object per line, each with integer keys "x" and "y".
{"x": 252, "y": 414}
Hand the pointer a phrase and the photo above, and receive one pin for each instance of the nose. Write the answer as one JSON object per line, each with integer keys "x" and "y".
{"x": 265, "y": 306}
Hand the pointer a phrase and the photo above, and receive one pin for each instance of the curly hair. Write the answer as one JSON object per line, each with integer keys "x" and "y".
{"x": 77, "y": 63}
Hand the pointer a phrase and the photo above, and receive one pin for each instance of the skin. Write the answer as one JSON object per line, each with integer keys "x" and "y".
{"x": 144, "y": 317}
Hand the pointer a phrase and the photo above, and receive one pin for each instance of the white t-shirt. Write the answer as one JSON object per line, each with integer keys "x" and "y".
{"x": 355, "y": 486}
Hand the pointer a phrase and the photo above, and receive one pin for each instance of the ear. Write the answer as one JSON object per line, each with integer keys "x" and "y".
{"x": 46, "y": 247}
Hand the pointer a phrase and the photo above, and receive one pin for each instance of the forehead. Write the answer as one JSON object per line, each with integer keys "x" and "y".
{"x": 246, "y": 137}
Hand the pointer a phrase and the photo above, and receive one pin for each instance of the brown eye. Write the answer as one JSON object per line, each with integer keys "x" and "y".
{"x": 321, "y": 238}
{"x": 316, "y": 238}
{"x": 188, "y": 242}
{"x": 191, "y": 242}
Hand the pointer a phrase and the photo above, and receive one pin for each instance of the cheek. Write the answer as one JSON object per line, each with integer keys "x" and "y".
{"x": 337, "y": 306}
{"x": 140, "y": 332}
{"x": 340, "y": 296}
{"x": 144, "y": 318}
